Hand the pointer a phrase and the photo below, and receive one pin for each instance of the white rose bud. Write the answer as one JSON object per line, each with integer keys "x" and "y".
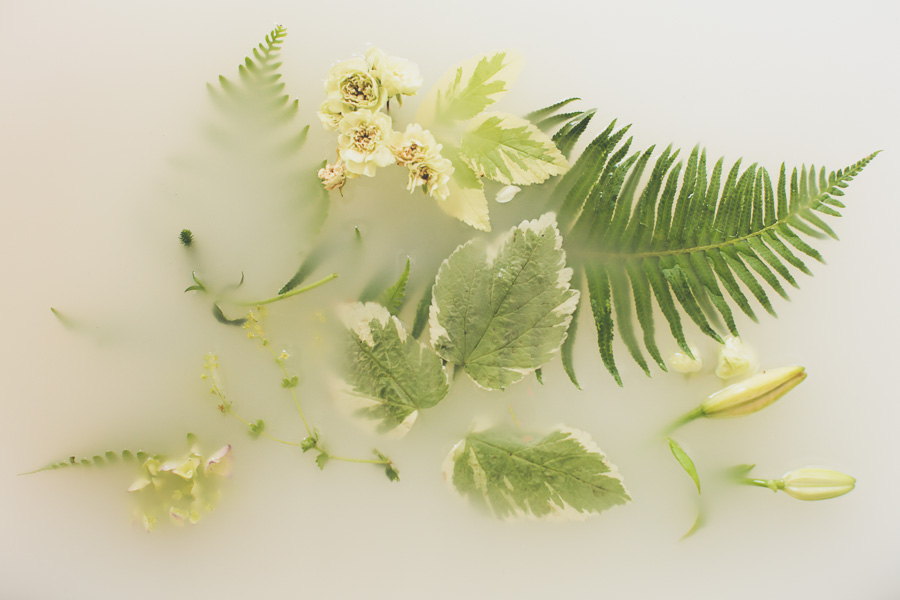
{"x": 735, "y": 358}
{"x": 683, "y": 363}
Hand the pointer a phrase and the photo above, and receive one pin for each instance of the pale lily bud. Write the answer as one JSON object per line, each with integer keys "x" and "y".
{"x": 808, "y": 483}
{"x": 735, "y": 358}
{"x": 812, "y": 483}
{"x": 748, "y": 396}
{"x": 683, "y": 363}
{"x": 753, "y": 394}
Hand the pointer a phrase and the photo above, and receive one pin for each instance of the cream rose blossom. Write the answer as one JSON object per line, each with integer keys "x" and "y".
{"x": 413, "y": 146}
{"x": 333, "y": 176}
{"x": 362, "y": 143}
{"x": 434, "y": 173}
{"x": 397, "y": 76}
{"x": 352, "y": 86}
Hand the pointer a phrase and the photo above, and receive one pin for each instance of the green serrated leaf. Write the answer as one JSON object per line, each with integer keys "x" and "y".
{"x": 290, "y": 382}
{"x": 545, "y": 112}
{"x": 390, "y": 375}
{"x": 464, "y": 91}
{"x": 389, "y": 470}
{"x": 422, "y": 312}
{"x": 685, "y": 461}
{"x": 392, "y": 297}
{"x": 561, "y": 474}
{"x": 322, "y": 460}
{"x": 502, "y": 312}
{"x": 257, "y": 428}
{"x": 510, "y": 150}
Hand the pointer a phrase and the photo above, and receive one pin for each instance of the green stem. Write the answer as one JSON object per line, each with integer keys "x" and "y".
{"x": 684, "y": 419}
{"x": 293, "y": 292}
{"x": 369, "y": 461}
{"x": 772, "y": 484}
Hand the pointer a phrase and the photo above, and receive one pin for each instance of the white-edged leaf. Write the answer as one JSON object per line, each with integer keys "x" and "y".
{"x": 501, "y": 312}
{"x": 390, "y": 375}
{"x": 562, "y": 474}
{"x": 466, "y": 90}
{"x": 466, "y": 201}
{"x": 510, "y": 150}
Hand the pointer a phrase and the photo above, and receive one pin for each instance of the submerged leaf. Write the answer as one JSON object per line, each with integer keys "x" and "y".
{"x": 685, "y": 461}
{"x": 466, "y": 200}
{"x": 464, "y": 91}
{"x": 510, "y": 150}
{"x": 390, "y": 375}
{"x": 562, "y": 474}
{"x": 392, "y": 297}
{"x": 502, "y": 312}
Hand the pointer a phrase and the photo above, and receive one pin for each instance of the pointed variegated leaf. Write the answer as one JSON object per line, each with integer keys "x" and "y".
{"x": 466, "y": 201}
{"x": 510, "y": 150}
{"x": 562, "y": 474}
{"x": 464, "y": 91}
{"x": 502, "y": 312}
{"x": 390, "y": 376}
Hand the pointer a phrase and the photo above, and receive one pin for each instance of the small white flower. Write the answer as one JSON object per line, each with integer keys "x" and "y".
{"x": 330, "y": 119}
{"x": 397, "y": 76}
{"x": 352, "y": 86}
{"x": 413, "y": 146}
{"x": 434, "y": 173}
{"x": 221, "y": 462}
{"x": 683, "y": 363}
{"x": 333, "y": 177}
{"x": 362, "y": 143}
{"x": 735, "y": 358}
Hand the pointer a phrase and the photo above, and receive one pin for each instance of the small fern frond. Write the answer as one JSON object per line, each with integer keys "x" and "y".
{"x": 98, "y": 460}
{"x": 690, "y": 239}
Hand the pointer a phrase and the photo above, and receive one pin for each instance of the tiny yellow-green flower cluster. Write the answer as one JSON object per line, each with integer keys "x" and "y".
{"x": 184, "y": 489}
{"x": 356, "y": 92}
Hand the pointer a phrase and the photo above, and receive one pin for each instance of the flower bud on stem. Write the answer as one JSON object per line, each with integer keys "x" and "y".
{"x": 746, "y": 397}
{"x": 808, "y": 483}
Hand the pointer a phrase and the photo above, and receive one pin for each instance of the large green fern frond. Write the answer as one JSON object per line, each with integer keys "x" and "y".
{"x": 690, "y": 239}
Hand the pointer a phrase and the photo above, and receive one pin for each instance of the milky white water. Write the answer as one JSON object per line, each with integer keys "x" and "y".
{"x": 98, "y": 98}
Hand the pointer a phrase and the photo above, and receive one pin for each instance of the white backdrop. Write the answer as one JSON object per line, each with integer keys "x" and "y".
{"x": 95, "y": 97}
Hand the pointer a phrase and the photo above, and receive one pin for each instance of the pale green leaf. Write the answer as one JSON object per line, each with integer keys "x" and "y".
{"x": 390, "y": 376}
{"x": 466, "y": 201}
{"x": 563, "y": 474}
{"x": 510, "y": 150}
{"x": 685, "y": 461}
{"x": 502, "y": 312}
{"x": 464, "y": 91}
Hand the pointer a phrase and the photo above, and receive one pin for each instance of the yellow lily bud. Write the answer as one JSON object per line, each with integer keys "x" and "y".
{"x": 752, "y": 394}
{"x": 812, "y": 483}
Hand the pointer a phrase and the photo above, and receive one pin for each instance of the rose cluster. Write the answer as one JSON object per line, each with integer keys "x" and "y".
{"x": 357, "y": 90}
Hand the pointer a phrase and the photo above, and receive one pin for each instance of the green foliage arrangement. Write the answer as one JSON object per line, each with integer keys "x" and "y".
{"x": 612, "y": 230}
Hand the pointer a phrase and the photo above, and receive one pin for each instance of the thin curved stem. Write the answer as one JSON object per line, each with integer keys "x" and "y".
{"x": 289, "y": 294}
